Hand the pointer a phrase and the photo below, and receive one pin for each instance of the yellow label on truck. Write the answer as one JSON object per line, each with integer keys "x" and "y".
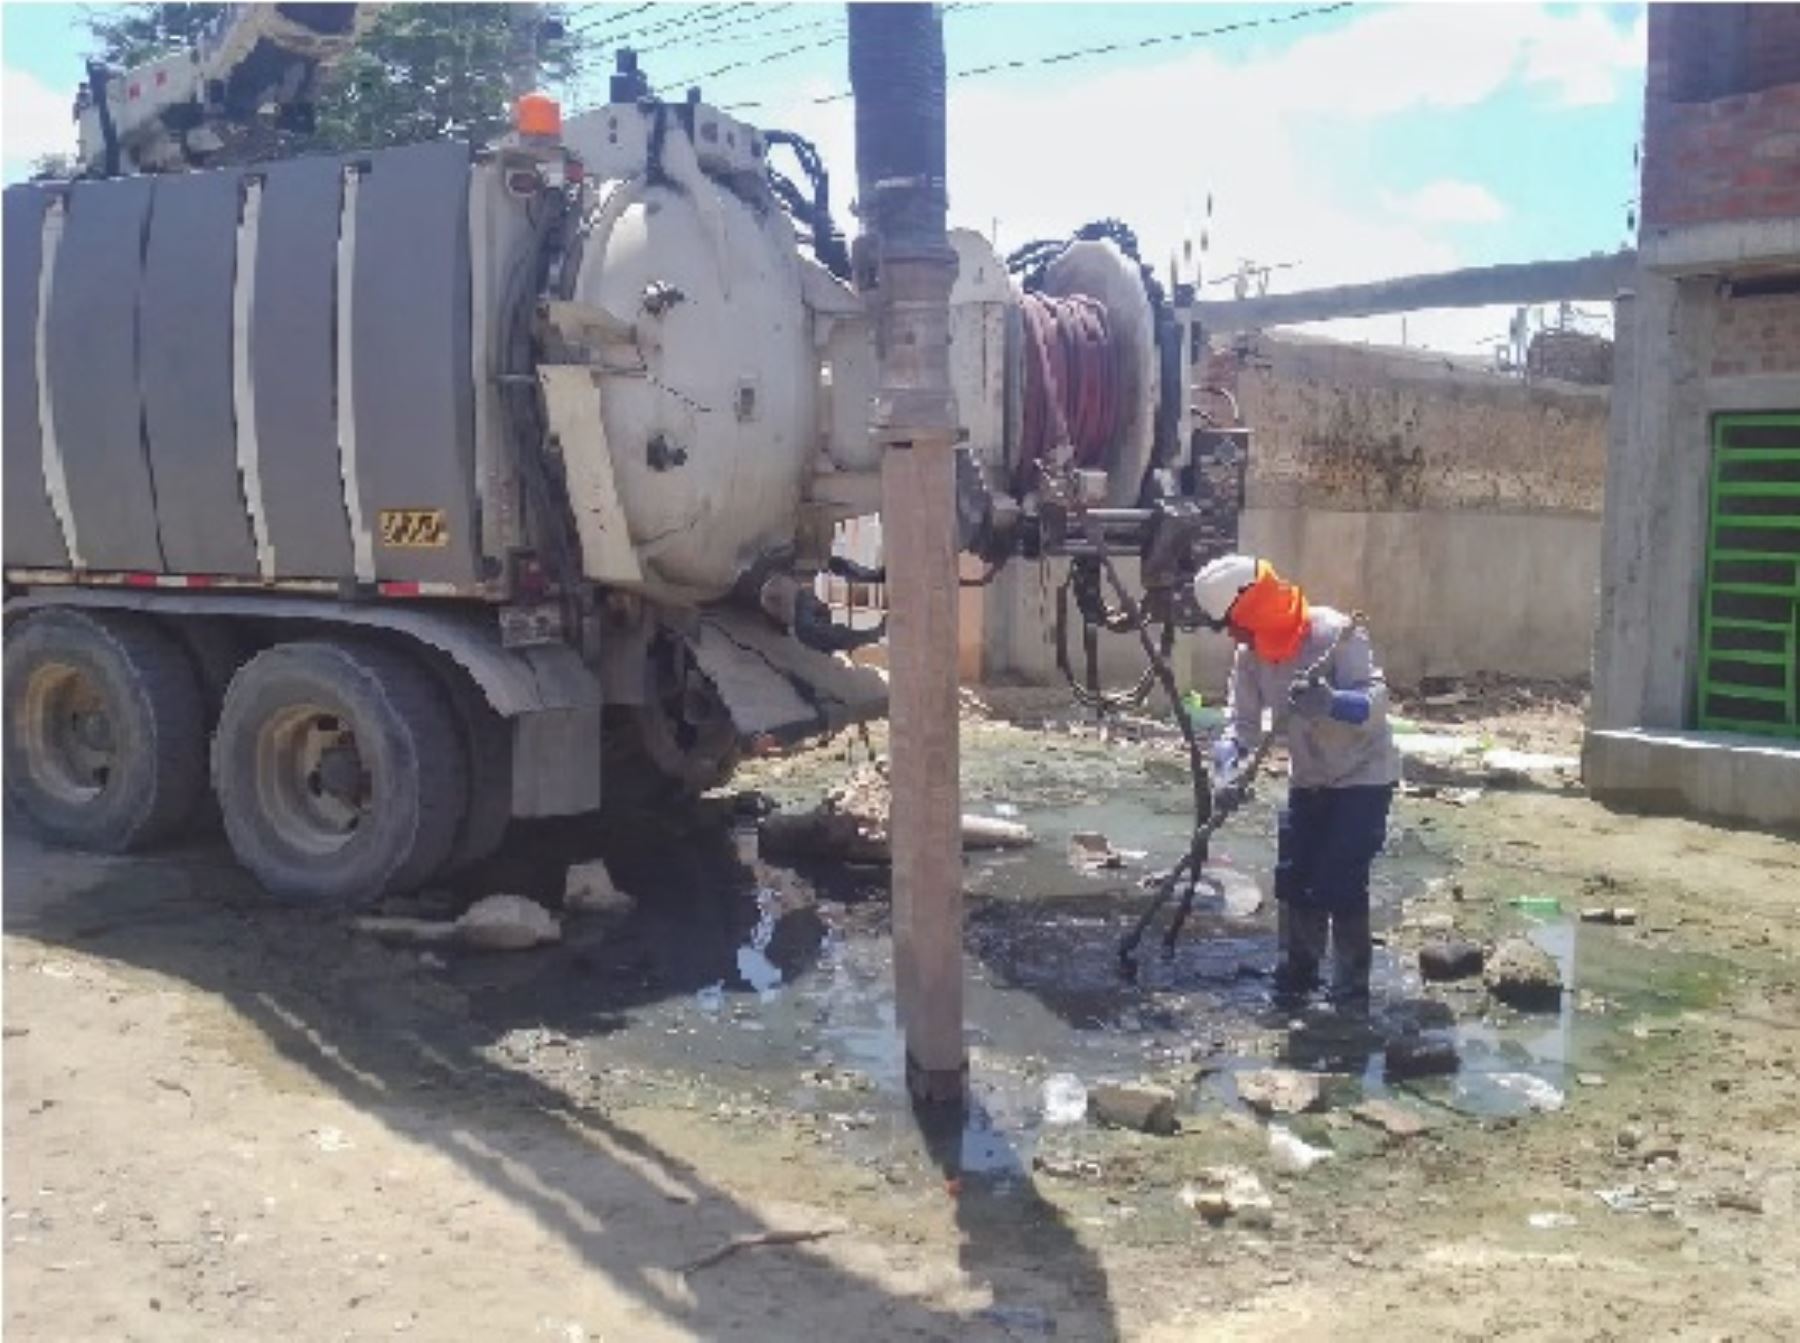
{"x": 414, "y": 528}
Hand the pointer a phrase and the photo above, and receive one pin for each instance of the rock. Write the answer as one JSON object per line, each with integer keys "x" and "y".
{"x": 1420, "y": 1056}
{"x": 1090, "y": 848}
{"x": 506, "y": 923}
{"x": 589, "y": 889}
{"x": 1395, "y": 1120}
{"x": 1292, "y": 1155}
{"x": 1629, "y": 1137}
{"x": 1440, "y": 961}
{"x": 989, "y": 832}
{"x": 1438, "y": 924}
{"x": 1146, "y": 1109}
{"x": 1280, "y": 1090}
{"x": 1521, "y": 975}
{"x": 1229, "y": 1191}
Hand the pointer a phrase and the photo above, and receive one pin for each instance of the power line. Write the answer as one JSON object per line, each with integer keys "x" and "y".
{"x": 700, "y": 36}
{"x": 689, "y": 14}
{"x": 1109, "y": 48}
{"x": 837, "y": 25}
{"x": 600, "y": 21}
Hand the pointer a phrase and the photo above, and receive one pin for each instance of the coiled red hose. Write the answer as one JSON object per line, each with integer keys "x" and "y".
{"x": 1072, "y": 391}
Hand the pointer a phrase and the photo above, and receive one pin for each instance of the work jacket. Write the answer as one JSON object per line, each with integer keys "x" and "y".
{"x": 1322, "y": 752}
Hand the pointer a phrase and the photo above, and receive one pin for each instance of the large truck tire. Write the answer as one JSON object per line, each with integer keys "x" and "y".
{"x": 216, "y": 651}
{"x": 487, "y": 745}
{"x": 105, "y": 731}
{"x": 675, "y": 746}
{"x": 339, "y": 770}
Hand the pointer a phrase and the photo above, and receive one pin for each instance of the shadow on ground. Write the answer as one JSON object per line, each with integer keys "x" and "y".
{"x": 414, "y": 1049}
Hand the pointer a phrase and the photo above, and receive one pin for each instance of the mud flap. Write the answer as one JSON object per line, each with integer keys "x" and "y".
{"x": 776, "y": 686}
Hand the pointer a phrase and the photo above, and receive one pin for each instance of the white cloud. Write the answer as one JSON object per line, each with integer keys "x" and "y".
{"x": 1449, "y": 201}
{"x": 1149, "y": 144}
{"x": 38, "y": 119}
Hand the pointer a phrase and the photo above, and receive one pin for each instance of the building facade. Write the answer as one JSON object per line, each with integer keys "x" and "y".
{"x": 1697, "y": 652}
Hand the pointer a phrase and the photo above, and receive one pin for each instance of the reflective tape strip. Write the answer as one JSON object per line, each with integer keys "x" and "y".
{"x": 56, "y": 480}
{"x": 362, "y": 542}
{"x": 243, "y": 383}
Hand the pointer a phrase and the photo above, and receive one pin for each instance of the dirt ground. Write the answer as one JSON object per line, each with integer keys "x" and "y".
{"x": 228, "y": 1119}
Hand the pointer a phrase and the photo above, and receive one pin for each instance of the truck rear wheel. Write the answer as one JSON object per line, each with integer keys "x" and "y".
{"x": 340, "y": 771}
{"x": 106, "y": 736}
{"x": 676, "y": 745}
{"x": 487, "y": 743}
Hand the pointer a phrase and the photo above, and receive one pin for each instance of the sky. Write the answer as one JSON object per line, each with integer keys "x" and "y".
{"x": 1336, "y": 144}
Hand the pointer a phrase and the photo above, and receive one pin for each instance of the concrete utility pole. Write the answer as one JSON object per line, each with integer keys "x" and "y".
{"x": 904, "y": 259}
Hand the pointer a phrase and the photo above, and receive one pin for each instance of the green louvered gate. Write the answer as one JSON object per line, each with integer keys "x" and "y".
{"x": 1750, "y": 621}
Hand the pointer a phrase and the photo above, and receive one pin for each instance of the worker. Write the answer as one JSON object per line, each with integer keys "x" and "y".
{"x": 1315, "y": 670}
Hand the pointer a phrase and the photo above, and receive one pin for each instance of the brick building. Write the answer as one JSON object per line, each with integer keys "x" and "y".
{"x": 1697, "y": 654}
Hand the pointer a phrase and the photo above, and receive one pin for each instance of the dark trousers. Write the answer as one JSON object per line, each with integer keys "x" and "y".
{"x": 1328, "y": 841}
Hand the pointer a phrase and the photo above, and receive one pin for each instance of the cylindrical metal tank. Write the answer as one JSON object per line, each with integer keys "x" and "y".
{"x": 712, "y": 426}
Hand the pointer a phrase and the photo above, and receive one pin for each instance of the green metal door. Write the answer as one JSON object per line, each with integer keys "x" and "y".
{"x": 1750, "y": 615}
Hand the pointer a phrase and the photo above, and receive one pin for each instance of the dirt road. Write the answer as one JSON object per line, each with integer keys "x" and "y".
{"x": 226, "y": 1119}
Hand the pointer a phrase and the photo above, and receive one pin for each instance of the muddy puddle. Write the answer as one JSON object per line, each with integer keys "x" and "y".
{"x": 774, "y": 983}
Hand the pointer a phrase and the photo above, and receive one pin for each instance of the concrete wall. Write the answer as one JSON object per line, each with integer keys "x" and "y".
{"x": 1458, "y": 508}
{"x": 1681, "y": 345}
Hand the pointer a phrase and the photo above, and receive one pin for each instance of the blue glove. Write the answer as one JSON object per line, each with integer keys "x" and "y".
{"x": 1314, "y": 699}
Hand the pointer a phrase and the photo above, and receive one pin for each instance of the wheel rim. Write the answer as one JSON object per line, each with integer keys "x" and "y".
{"x": 71, "y": 748}
{"x": 310, "y": 778}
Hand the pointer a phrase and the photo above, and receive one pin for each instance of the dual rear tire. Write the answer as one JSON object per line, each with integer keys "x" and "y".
{"x": 342, "y": 768}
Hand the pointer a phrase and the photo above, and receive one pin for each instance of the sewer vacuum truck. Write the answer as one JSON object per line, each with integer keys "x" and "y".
{"x": 372, "y": 501}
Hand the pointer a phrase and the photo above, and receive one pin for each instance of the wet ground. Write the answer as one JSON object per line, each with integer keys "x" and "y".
{"x": 776, "y": 979}
{"x": 223, "y": 1116}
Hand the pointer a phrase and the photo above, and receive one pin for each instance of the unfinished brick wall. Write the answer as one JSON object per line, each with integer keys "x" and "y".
{"x": 1351, "y": 427}
{"x": 1721, "y": 114}
{"x": 1756, "y": 335}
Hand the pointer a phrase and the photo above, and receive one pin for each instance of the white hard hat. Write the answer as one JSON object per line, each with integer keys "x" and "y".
{"x": 1217, "y": 586}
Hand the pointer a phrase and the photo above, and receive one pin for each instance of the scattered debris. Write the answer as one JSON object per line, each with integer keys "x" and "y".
{"x": 1089, "y": 849}
{"x": 1522, "y": 975}
{"x": 1739, "y": 1199}
{"x": 1411, "y": 1056}
{"x": 1536, "y": 1092}
{"x": 1229, "y": 1191}
{"x": 1622, "y": 915}
{"x": 1624, "y": 1198}
{"x": 506, "y": 923}
{"x": 1443, "y": 961}
{"x": 821, "y": 834}
{"x": 989, "y": 832}
{"x": 494, "y": 923}
{"x": 1292, "y": 1155}
{"x": 1065, "y": 1099}
{"x": 851, "y": 826}
{"x": 1438, "y": 924}
{"x": 1589, "y": 1080}
{"x": 756, "y": 1240}
{"x": 711, "y": 999}
{"x": 1550, "y": 1221}
{"x": 1395, "y": 1120}
{"x": 589, "y": 889}
{"x": 1146, "y": 1109}
{"x": 1280, "y": 1090}
{"x": 1067, "y": 1167}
